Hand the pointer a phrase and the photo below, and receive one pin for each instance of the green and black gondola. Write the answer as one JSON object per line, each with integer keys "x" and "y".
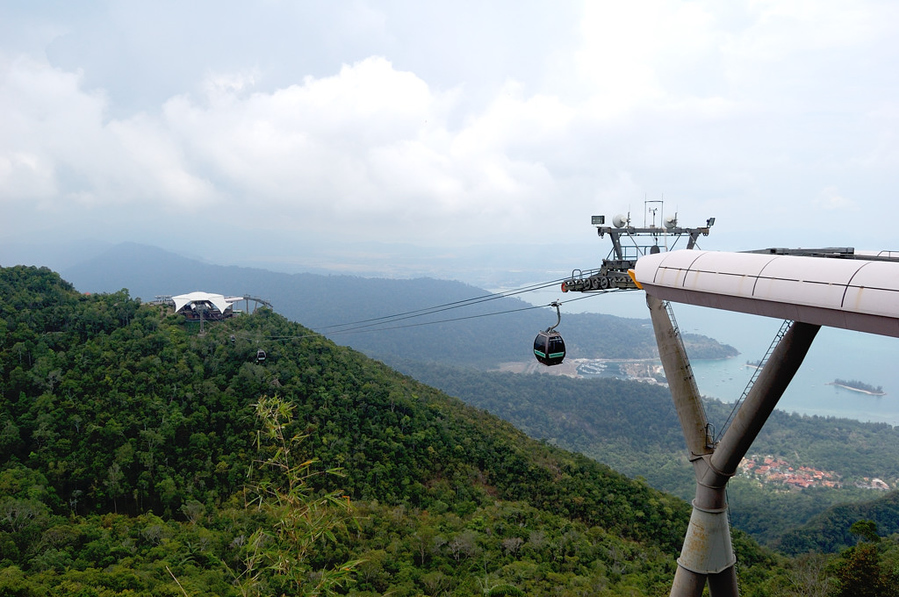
{"x": 549, "y": 348}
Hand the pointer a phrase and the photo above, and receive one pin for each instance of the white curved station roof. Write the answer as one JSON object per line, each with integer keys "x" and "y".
{"x": 217, "y": 300}
{"x": 848, "y": 293}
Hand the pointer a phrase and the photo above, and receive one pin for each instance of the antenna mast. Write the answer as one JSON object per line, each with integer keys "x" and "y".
{"x": 629, "y": 244}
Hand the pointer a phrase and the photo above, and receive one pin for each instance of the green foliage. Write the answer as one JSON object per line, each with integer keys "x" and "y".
{"x": 832, "y": 530}
{"x": 134, "y": 434}
{"x": 633, "y": 428}
{"x": 866, "y": 530}
{"x": 860, "y": 574}
{"x": 128, "y": 437}
{"x": 302, "y": 519}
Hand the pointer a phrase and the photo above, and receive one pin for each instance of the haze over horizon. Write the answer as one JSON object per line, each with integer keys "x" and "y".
{"x": 459, "y": 137}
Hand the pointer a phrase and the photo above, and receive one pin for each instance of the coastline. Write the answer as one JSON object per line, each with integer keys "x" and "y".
{"x": 852, "y": 389}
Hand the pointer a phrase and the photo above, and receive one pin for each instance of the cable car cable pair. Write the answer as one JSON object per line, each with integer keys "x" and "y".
{"x": 388, "y": 319}
{"x": 549, "y": 348}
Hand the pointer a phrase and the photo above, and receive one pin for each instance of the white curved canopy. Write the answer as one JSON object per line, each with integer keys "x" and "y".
{"x": 855, "y": 294}
{"x": 217, "y": 300}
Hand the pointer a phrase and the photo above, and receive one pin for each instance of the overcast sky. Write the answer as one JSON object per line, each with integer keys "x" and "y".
{"x": 255, "y": 130}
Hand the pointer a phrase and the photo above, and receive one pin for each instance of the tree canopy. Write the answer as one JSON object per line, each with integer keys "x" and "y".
{"x": 127, "y": 437}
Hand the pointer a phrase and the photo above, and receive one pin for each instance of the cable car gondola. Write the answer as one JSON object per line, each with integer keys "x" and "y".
{"x": 549, "y": 348}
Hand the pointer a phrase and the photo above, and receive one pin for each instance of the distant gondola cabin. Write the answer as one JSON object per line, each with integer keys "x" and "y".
{"x": 549, "y": 348}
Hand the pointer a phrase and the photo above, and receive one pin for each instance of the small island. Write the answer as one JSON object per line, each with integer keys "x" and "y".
{"x": 858, "y": 386}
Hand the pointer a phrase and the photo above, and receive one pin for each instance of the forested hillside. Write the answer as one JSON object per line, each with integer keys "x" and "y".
{"x": 126, "y": 440}
{"x": 830, "y": 530}
{"x": 633, "y": 428}
{"x": 137, "y": 458}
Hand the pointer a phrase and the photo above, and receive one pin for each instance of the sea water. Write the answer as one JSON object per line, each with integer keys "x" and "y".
{"x": 834, "y": 354}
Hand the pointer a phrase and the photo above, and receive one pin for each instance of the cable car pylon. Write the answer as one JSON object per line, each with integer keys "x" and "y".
{"x": 707, "y": 555}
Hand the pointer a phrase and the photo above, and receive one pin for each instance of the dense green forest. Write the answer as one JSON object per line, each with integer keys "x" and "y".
{"x": 134, "y": 461}
{"x": 126, "y": 439}
{"x": 633, "y": 428}
{"x": 830, "y": 530}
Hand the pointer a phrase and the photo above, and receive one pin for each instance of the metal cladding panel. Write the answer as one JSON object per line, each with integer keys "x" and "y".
{"x": 873, "y": 300}
{"x": 669, "y": 268}
{"x": 853, "y": 294}
{"x": 875, "y": 289}
{"x": 714, "y": 272}
{"x": 800, "y": 292}
{"x": 811, "y": 281}
{"x": 814, "y": 269}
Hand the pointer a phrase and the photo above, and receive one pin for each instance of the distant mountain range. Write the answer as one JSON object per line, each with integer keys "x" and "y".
{"x": 482, "y": 335}
{"x": 485, "y": 265}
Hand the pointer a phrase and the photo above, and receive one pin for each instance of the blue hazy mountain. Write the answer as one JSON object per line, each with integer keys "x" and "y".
{"x": 482, "y": 334}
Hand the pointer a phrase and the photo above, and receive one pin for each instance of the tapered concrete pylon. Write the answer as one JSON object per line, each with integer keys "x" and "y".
{"x": 707, "y": 554}
{"x": 708, "y": 536}
{"x": 687, "y": 400}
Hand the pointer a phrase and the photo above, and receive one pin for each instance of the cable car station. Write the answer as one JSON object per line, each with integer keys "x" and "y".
{"x": 807, "y": 288}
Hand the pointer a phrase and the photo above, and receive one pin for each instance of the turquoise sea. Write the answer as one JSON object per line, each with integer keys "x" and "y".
{"x": 835, "y": 354}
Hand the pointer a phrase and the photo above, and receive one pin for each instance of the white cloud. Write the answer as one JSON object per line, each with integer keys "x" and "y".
{"x": 417, "y": 127}
{"x": 25, "y": 176}
{"x": 830, "y": 199}
{"x": 37, "y": 103}
{"x": 224, "y": 85}
{"x": 372, "y": 146}
{"x": 634, "y": 53}
{"x": 782, "y": 27}
{"x": 60, "y": 149}
{"x": 369, "y": 147}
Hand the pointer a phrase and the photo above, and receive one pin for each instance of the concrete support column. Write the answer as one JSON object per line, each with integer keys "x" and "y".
{"x": 772, "y": 382}
{"x": 707, "y": 554}
{"x": 679, "y": 374}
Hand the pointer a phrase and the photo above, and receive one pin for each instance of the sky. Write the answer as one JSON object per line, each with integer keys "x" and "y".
{"x": 312, "y": 133}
